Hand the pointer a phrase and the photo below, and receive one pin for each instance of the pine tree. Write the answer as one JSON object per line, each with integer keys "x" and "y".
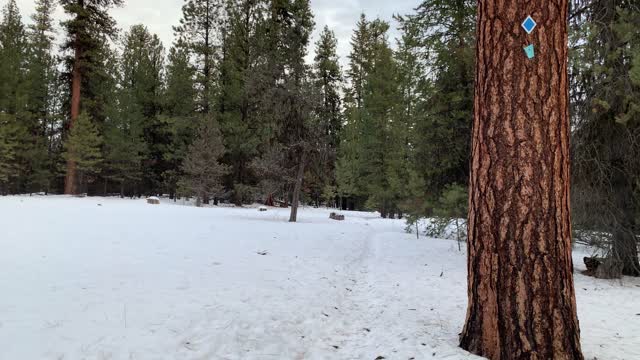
{"x": 411, "y": 80}
{"x": 373, "y": 151}
{"x": 137, "y": 85}
{"x": 202, "y": 168}
{"x": 607, "y": 134}
{"x": 140, "y": 104}
{"x": 380, "y": 138}
{"x": 42, "y": 74}
{"x": 522, "y": 301}
{"x": 9, "y": 145}
{"x": 359, "y": 61}
{"x": 288, "y": 28}
{"x": 269, "y": 167}
{"x": 13, "y": 56}
{"x": 199, "y": 32}
{"x": 278, "y": 84}
{"x": 328, "y": 78}
{"x": 349, "y": 165}
{"x": 124, "y": 153}
{"x": 443, "y": 117}
{"x": 87, "y": 29}
{"x": 14, "y": 96}
{"x": 178, "y": 116}
{"x": 450, "y": 209}
{"x": 83, "y": 147}
{"x": 102, "y": 103}
{"x": 239, "y": 122}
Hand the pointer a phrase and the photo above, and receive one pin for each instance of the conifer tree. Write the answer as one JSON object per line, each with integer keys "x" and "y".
{"x": 9, "y": 141}
{"x": 202, "y": 168}
{"x": 87, "y": 29}
{"x": 328, "y": 79}
{"x": 199, "y": 33}
{"x": 124, "y": 153}
{"x": 285, "y": 102}
{"x": 42, "y": 74}
{"x": 359, "y": 61}
{"x": 412, "y": 88}
{"x": 140, "y": 102}
{"x": 521, "y": 293}
{"x": 239, "y": 121}
{"x": 125, "y": 146}
{"x": 606, "y": 139}
{"x": 443, "y": 118}
{"x": 178, "y": 116}
{"x": 83, "y": 147}
{"x": 13, "y": 61}
{"x": 14, "y": 95}
{"x": 380, "y": 140}
{"x": 372, "y": 152}
{"x": 349, "y": 167}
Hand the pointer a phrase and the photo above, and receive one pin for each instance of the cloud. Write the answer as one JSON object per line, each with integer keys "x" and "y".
{"x": 340, "y": 15}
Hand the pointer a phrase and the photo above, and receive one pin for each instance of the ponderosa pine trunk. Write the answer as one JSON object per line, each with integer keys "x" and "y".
{"x": 520, "y": 285}
{"x": 70, "y": 187}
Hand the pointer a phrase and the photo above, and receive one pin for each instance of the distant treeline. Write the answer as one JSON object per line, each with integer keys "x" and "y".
{"x": 232, "y": 112}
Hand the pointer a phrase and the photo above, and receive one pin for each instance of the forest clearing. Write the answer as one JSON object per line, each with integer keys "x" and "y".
{"x": 320, "y": 179}
{"x": 138, "y": 281}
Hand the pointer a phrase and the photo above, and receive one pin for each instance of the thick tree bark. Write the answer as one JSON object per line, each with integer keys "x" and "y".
{"x": 70, "y": 178}
{"x": 298, "y": 187}
{"x": 70, "y": 187}
{"x": 520, "y": 285}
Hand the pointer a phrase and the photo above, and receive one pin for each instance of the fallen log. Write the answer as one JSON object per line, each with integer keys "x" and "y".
{"x": 337, "y": 217}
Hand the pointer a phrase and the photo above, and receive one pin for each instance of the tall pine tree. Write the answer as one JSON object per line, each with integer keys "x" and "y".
{"x": 373, "y": 148}
{"x": 239, "y": 121}
{"x": 329, "y": 81}
{"x": 14, "y": 91}
{"x": 178, "y": 116}
{"x": 443, "y": 118}
{"x": 87, "y": 29}
{"x": 199, "y": 32}
{"x": 42, "y": 73}
{"x": 607, "y": 133}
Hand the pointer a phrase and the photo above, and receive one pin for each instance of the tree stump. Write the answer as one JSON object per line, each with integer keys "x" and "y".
{"x": 153, "y": 201}
{"x": 592, "y": 264}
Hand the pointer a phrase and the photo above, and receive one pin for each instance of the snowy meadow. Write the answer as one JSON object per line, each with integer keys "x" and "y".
{"x": 105, "y": 278}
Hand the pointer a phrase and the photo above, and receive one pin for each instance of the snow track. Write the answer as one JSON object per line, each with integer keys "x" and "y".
{"x": 119, "y": 279}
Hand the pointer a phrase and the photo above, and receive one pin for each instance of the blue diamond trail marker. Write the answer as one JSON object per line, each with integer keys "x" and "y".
{"x": 529, "y": 24}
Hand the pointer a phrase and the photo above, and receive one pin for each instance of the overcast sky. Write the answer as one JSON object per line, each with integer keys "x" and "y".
{"x": 340, "y": 15}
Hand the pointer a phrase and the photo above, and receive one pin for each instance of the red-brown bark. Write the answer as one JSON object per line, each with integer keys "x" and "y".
{"x": 520, "y": 285}
{"x": 76, "y": 81}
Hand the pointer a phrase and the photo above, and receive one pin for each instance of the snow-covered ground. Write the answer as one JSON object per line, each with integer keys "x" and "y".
{"x": 99, "y": 278}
